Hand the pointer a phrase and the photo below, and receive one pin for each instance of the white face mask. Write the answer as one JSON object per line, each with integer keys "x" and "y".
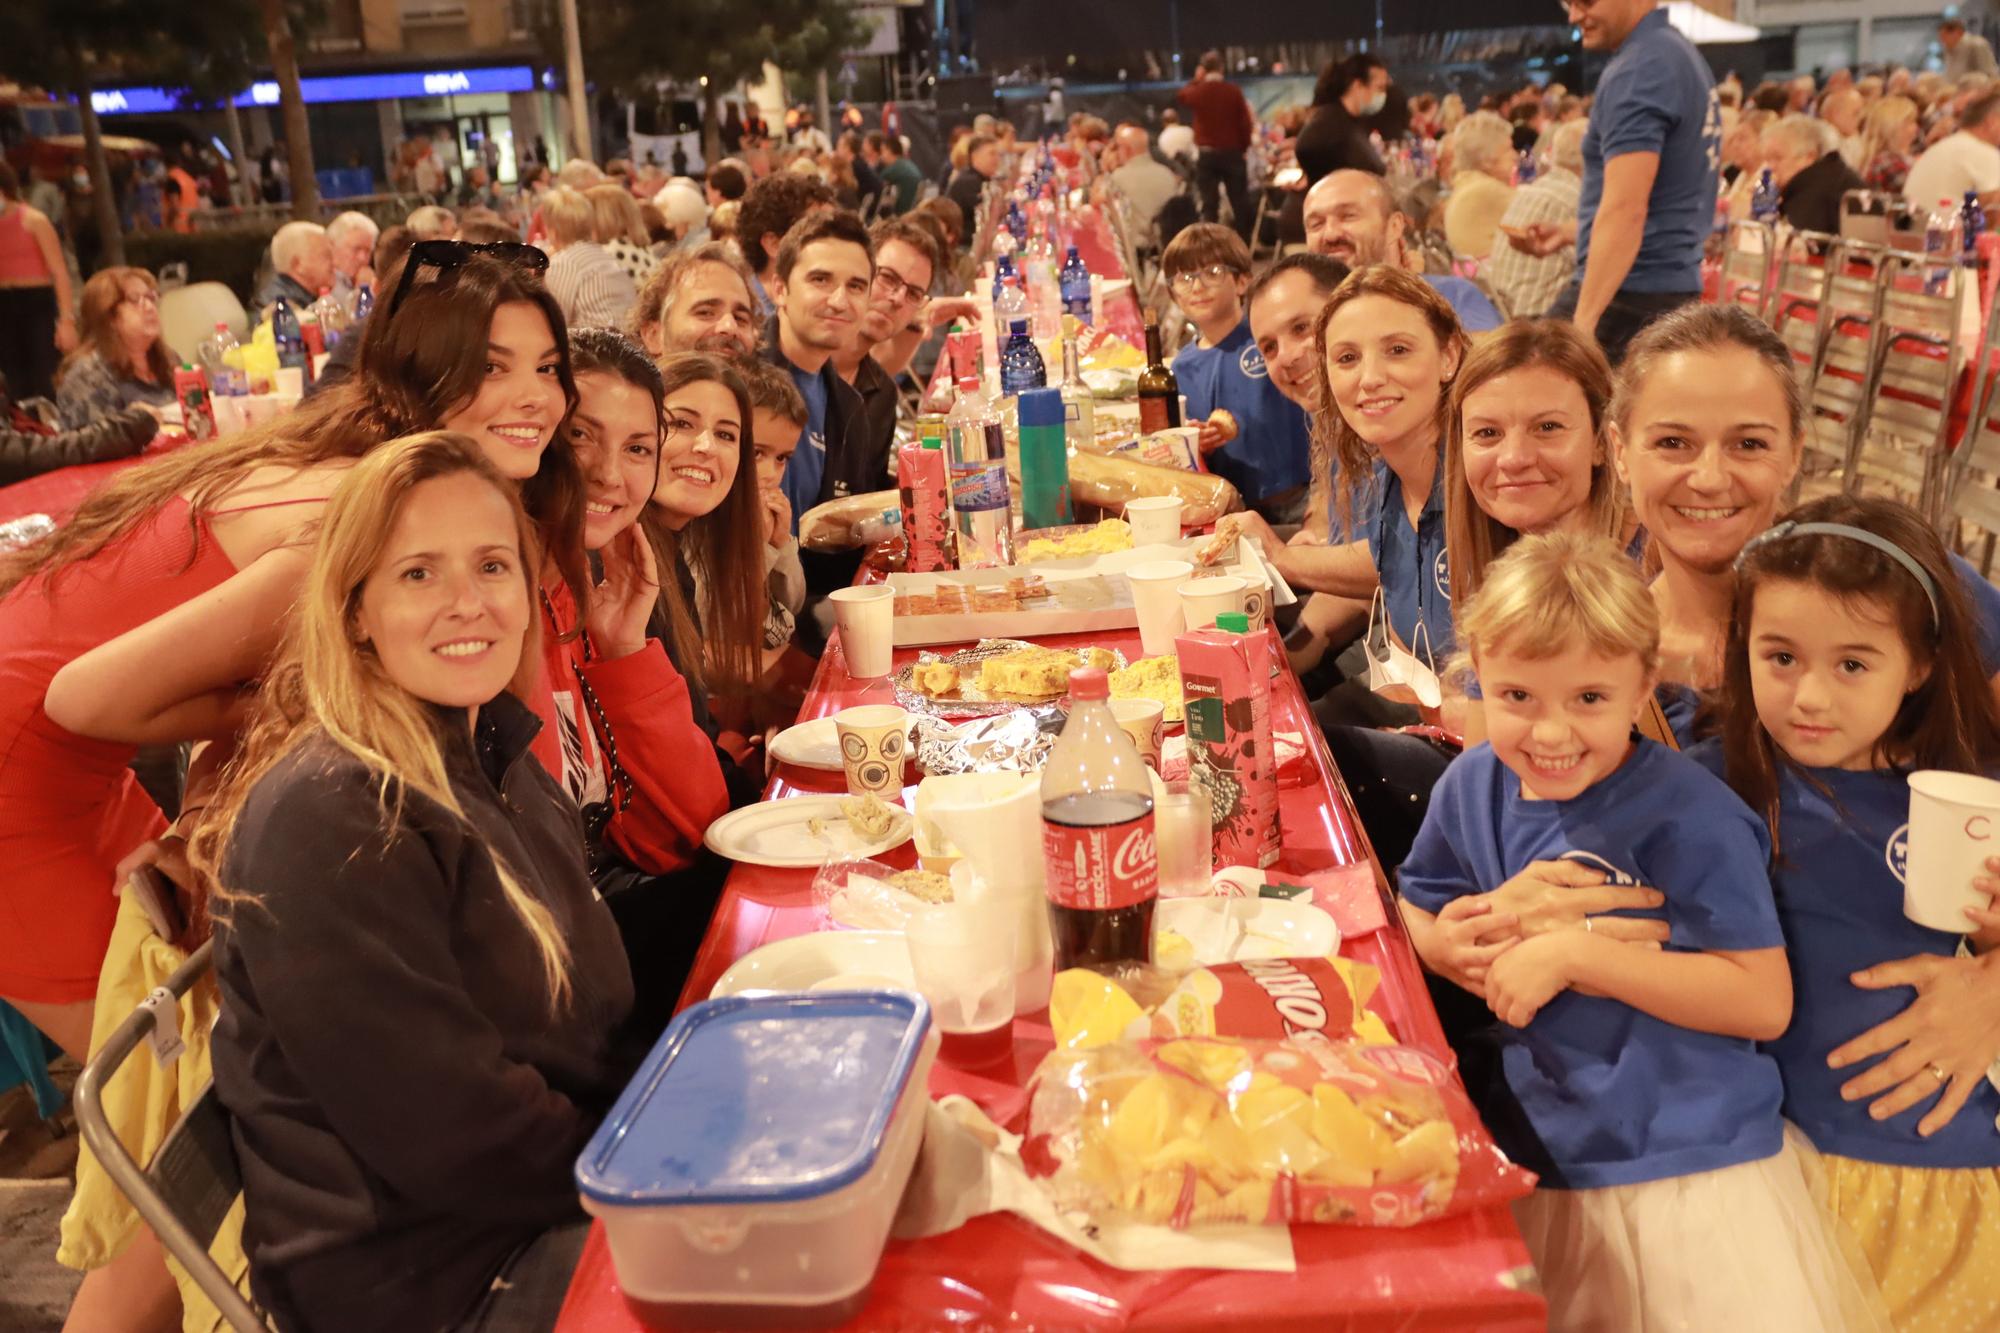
{"x": 1375, "y": 103}
{"x": 1393, "y": 668}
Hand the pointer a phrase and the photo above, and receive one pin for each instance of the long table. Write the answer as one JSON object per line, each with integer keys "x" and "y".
{"x": 996, "y": 1272}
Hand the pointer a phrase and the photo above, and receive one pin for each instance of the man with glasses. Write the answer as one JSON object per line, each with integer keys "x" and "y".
{"x": 1251, "y": 435}
{"x": 1651, "y": 160}
{"x": 905, "y": 258}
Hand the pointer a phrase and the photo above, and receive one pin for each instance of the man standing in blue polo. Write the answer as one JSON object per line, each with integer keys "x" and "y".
{"x": 1650, "y": 160}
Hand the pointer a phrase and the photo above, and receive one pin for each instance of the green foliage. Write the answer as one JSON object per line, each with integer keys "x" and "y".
{"x": 210, "y": 48}
{"x": 629, "y": 44}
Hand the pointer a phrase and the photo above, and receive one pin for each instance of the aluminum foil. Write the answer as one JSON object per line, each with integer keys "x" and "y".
{"x": 1015, "y": 741}
{"x": 970, "y": 703}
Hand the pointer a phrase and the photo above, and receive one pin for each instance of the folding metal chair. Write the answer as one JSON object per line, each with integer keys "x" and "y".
{"x": 1837, "y": 373}
{"x": 1748, "y": 252}
{"x": 1972, "y": 482}
{"x": 193, "y": 1180}
{"x": 1905, "y": 438}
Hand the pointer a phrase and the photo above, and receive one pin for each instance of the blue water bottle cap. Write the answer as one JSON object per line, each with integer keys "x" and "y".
{"x": 1019, "y": 328}
{"x": 1041, "y": 407}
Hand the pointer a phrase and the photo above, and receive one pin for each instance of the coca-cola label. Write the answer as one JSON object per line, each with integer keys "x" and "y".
{"x": 1106, "y": 866}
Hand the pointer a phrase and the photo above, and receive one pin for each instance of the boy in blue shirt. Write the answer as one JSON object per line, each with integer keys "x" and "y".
{"x": 1252, "y": 435}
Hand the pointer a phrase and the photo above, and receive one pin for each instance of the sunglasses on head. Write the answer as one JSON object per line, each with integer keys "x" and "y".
{"x": 445, "y": 256}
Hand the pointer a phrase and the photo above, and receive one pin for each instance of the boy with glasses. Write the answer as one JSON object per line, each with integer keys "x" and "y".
{"x": 1251, "y": 434}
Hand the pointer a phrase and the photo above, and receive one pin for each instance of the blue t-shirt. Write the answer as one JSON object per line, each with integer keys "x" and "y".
{"x": 1657, "y": 96}
{"x": 1607, "y": 1095}
{"x": 1839, "y": 883}
{"x": 1410, "y": 562}
{"x": 808, "y": 463}
{"x": 766, "y": 307}
{"x": 1271, "y": 452}
{"x": 1476, "y": 314}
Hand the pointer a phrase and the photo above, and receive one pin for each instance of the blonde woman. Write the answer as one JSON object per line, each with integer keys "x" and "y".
{"x": 1888, "y": 133}
{"x": 590, "y": 286}
{"x": 621, "y": 229}
{"x": 1482, "y": 184}
{"x": 418, "y": 981}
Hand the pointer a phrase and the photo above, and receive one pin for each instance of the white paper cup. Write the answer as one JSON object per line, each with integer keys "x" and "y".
{"x": 1155, "y": 519}
{"x": 1954, "y": 827}
{"x": 866, "y": 619}
{"x": 1202, "y": 600}
{"x": 1141, "y": 720}
{"x": 874, "y": 746}
{"x": 1156, "y": 597}
{"x": 1256, "y": 597}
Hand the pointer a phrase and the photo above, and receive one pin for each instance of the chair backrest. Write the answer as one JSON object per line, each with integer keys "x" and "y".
{"x": 188, "y": 1187}
{"x": 1747, "y": 258}
{"x": 1972, "y": 488}
{"x": 1905, "y": 440}
{"x": 189, "y": 314}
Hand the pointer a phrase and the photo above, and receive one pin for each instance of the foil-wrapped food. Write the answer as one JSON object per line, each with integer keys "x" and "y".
{"x": 1016, "y": 741}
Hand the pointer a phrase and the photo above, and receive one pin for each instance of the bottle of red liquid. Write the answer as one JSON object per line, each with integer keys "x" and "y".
{"x": 1097, "y": 835}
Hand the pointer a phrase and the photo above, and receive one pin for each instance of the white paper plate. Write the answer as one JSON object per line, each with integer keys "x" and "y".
{"x": 776, "y": 833}
{"x": 850, "y": 959}
{"x": 814, "y": 744}
{"x": 1231, "y": 930}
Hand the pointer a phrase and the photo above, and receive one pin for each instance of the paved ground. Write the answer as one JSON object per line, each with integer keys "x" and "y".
{"x": 35, "y": 1183}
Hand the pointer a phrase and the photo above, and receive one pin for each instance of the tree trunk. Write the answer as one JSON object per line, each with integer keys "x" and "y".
{"x": 711, "y": 125}
{"x": 823, "y": 106}
{"x": 239, "y": 190}
{"x": 298, "y": 134}
{"x": 110, "y": 237}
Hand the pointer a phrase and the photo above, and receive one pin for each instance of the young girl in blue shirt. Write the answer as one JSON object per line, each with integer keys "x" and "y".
{"x": 1628, "y": 1076}
{"x": 1853, "y": 661}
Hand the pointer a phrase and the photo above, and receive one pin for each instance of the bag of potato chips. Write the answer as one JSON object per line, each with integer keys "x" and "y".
{"x": 1303, "y": 999}
{"x": 1202, "y": 1130}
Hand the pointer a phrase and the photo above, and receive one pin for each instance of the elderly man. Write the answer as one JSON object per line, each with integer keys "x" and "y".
{"x": 301, "y": 264}
{"x": 1350, "y": 217}
{"x": 698, "y": 300}
{"x": 1650, "y": 164}
{"x": 1811, "y": 176}
{"x": 1483, "y": 160}
{"x": 1966, "y": 160}
{"x": 1529, "y": 284}
{"x": 1964, "y": 52}
{"x": 432, "y": 222}
{"x": 353, "y": 237}
{"x": 1146, "y": 182}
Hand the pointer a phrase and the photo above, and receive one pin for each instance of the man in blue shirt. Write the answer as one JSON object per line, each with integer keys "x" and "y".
{"x": 770, "y": 208}
{"x": 1351, "y": 217}
{"x": 1250, "y": 435}
{"x": 1650, "y": 164}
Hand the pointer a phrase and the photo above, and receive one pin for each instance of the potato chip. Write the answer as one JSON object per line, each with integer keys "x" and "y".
{"x": 1087, "y": 1010}
{"x": 1343, "y": 1130}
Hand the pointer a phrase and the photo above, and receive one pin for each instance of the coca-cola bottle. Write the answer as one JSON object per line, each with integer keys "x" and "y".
{"x": 1097, "y": 835}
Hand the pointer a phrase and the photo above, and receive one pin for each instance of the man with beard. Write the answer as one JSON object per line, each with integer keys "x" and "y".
{"x": 905, "y": 258}
{"x": 1350, "y": 216}
{"x": 697, "y": 300}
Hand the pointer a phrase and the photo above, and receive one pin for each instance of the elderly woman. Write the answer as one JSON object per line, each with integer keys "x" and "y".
{"x": 590, "y": 286}
{"x": 621, "y": 229}
{"x": 1811, "y": 175}
{"x": 1482, "y": 184}
{"x": 119, "y": 358}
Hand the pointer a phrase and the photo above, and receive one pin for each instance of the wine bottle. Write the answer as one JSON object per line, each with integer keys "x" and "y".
{"x": 1159, "y": 391}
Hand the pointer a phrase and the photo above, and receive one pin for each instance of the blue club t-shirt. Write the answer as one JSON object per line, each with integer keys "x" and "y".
{"x": 808, "y": 462}
{"x": 1681, "y": 702}
{"x": 1271, "y": 452}
{"x": 1839, "y": 885}
{"x": 1476, "y": 314}
{"x": 1657, "y": 96}
{"x": 1411, "y": 563}
{"x": 1602, "y": 1093}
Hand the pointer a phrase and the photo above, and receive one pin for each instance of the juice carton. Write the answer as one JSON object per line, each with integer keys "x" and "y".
{"x": 1226, "y": 678}
{"x": 191, "y": 391}
{"x": 926, "y": 496}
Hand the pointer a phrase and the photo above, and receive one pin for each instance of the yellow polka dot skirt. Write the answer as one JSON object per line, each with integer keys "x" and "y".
{"x": 1932, "y": 1238}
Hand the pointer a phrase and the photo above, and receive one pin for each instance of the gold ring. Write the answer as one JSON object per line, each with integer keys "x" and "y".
{"x": 1937, "y": 1072}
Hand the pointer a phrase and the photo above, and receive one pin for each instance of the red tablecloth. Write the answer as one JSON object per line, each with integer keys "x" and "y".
{"x": 56, "y": 493}
{"x": 996, "y": 1272}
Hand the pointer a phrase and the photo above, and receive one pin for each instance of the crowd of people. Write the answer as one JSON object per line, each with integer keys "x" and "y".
{"x": 472, "y": 645}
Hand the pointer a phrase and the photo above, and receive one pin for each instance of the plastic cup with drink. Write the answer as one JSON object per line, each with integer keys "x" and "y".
{"x": 1954, "y": 827}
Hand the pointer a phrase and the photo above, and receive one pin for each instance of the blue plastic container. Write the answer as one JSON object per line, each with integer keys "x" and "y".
{"x": 748, "y": 1174}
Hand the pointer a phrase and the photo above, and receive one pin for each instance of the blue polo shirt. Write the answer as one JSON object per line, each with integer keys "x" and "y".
{"x": 1475, "y": 313}
{"x": 1596, "y": 1092}
{"x": 1410, "y": 562}
{"x": 1657, "y": 96}
{"x": 803, "y": 473}
{"x": 1271, "y": 452}
{"x": 1843, "y": 840}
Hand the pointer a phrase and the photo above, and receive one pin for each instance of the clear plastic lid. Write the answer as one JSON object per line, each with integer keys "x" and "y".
{"x": 758, "y": 1099}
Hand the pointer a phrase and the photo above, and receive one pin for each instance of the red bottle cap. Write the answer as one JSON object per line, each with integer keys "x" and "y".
{"x": 1089, "y": 683}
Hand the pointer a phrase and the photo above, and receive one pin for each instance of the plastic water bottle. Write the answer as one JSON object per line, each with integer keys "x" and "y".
{"x": 1021, "y": 365}
{"x": 1525, "y": 173}
{"x": 1003, "y": 268}
{"x": 289, "y": 337}
{"x": 1017, "y": 222}
{"x": 1011, "y": 304}
{"x": 1972, "y": 225}
{"x": 223, "y": 378}
{"x": 332, "y": 317}
{"x": 1941, "y": 248}
{"x": 1076, "y": 287}
{"x": 364, "y": 303}
{"x": 1098, "y": 835}
{"x": 1764, "y": 198}
{"x": 976, "y": 455}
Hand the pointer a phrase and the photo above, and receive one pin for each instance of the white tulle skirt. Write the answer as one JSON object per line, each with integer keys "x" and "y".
{"x": 1748, "y": 1247}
